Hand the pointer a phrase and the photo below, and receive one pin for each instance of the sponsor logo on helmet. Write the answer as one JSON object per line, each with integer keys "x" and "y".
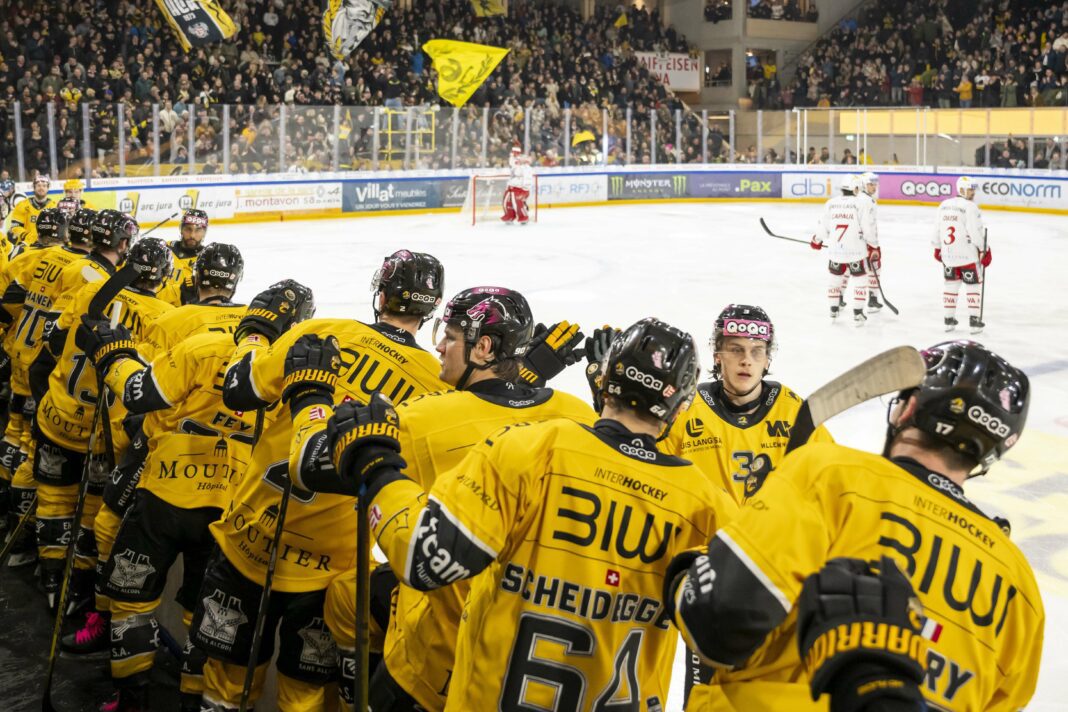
{"x": 289, "y": 294}
{"x": 1005, "y": 397}
{"x": 643, "y": 378}
{"x": 956, "y": 406}
{"x": 219, "y": 273}
{"x": 747, "y": 328}
{"x": 418, "y": 297}
{"x": 979, "y": 416}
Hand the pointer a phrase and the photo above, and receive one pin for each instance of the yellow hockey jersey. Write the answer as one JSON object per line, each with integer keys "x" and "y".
{"x": 171, "y": 327}
{"x": 65, "y": 414}
{"x": 572, "y": 529}
{"x": 723, "y": 443}
{"x": 181, "y": 279}
{"x": 197, "y": 447}
{"x": 41, "y": 291}
{"x": 91, "y": 268}
{"x": 436, "y": 431}
{"x": 320, "y": 530}
{"x": 985, "y": 616}
{"x": 23, "y": 223}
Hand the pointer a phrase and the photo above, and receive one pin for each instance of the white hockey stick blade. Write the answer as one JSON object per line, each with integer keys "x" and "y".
{"x": 891, "y": 371}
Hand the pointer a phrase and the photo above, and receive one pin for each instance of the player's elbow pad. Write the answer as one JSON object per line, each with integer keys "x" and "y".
{"x": 15, "y": 294}
{"x": 443, "y": 551}
{"x": 238, "y": 393}
{"x": 312, "y": 468}
{"x": 723, "y": 609}
{"x": 40, "y": 370}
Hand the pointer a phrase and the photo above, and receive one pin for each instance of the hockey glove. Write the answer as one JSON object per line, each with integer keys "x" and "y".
{"x": 875, "y": 257}
{"x": 102, "y": 343}
{"x": 274, "y": 310}
{"x": 551, "y": 351}
{"x": 596, "y": 348}
{"x": 676, "y": 570}
{"x": 938, "y": 254}
{"x": 311, "y": 368}
{"x": 815, "y": 244}
{"x": 987, "y": 256}
{"x": 858, "y": 633}
{"x": 363, "y": 441}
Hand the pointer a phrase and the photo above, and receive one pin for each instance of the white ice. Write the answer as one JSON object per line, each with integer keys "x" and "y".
{"x": 684, "y": 262}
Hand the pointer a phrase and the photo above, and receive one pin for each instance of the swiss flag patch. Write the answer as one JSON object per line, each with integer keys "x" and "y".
{"x": 374, "y": 515}
{"x": 611, "y": 578}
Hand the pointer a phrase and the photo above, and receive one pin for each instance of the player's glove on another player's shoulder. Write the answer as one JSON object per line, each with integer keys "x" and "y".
{"x": 551, "y": 351}
{"x": 364, "y": 443}
{"x": 274, "y": 310}
{"x": 596, "y": 348}
{"x": 858, "y": 629}
{"x": 310, "y": 372}
{"x": 104, "y": 343}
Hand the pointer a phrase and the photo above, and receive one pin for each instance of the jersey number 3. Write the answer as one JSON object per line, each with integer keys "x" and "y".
{"x": 527, "y": 672}
{"x": 951, "y": 235}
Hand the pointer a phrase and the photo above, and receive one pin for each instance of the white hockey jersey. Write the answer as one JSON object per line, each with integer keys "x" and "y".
{"x": 847, "y": 228}
{"x": 522, "y": 175}
{"x": 959, "y": 232}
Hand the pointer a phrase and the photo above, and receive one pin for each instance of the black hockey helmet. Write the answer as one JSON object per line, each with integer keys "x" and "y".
{"x": 972, "y": 399}
{"x": 194, "y": 218}
{"x": 110, "y": 228}
{"x": 651, "y": 367}
{"x": 412, "y": 282}
{"x": 497, "y": 312}
{"x": 69, "y": 206}
{"x": 152, "y": 259}
{"x": 79, "y": 229}
{"x": 219, "y": 266}
{"x": 744, "y": 321}
{"x": 52, "y": 226}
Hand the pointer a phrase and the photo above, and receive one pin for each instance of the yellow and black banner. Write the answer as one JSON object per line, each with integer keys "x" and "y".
{"x": 462, "y": 67}
{"x": 489, "y": 8}
{"x": 197, "y": 22}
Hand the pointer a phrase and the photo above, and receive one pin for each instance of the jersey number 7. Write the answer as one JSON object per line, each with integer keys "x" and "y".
{"x": 842, "y": 230}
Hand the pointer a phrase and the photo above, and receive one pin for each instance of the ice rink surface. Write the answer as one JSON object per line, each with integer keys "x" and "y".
{"x": 684, "y": 262}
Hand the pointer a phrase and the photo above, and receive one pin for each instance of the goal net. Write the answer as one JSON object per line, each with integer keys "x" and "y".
{"x": 485, "y": 198}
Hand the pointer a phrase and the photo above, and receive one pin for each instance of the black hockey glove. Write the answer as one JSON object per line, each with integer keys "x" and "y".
{"x": 676, "y": 570}
{"x": 858, "y": 632}
{"x": 551, "y": 351}
{"x": 596, "y": 348}
{"x": 102, "y": 343}
{"x": 311, "y": 368}
{"x": 274, "y": 310}
{"x": 363, "y": 441}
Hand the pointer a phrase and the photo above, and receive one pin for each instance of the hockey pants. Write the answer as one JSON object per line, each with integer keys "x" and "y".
{"x": 340, "y": 614}
{"x": 972, "y": 278}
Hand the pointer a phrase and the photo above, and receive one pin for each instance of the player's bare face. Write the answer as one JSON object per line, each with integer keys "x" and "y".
{"x": 40, "y": 190}
{"x": 742, "y": 363}
{"x": 450, "y": 348}
{"x": 75, "y": 194}
{"x": 192, "y": 236}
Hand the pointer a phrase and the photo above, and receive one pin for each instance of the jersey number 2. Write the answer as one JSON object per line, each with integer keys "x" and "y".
{"x": 565, "y": 683}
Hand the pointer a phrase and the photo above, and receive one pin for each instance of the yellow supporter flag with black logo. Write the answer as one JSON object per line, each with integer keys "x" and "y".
{"x": 197, "y": 22}
{"x": 621, "y": 21}
{"x": 462, "y": 67}
{"x": 488, "y": 8}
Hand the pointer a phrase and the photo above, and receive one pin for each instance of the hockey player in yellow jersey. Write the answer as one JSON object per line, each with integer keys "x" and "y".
{"x": 99, "y": 263}
{"x": 28, "y": 306}
{"x": 483, "y": 338}
{"x": 739, "y": 416}
{"x": 65, "y": 413}
{"x": 197, "y": 450}
{"x": 571, "y": 527}
{"x": 984, "y": 615}
{"x": 317, "y": 542}
{"x": 22, "y": 227}
{"x": 74, "y": 189}
{"x": 192, "y": 229}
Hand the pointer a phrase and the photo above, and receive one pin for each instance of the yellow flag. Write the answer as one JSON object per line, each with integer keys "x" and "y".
{"x": 621, "y": 20}
{"x": 488, "y": 8}
{"x": 582, "y": 137}
{"x": 462, "y": 67}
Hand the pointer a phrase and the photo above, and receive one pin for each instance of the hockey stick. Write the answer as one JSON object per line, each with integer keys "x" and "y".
{"x": 894, "y": 370}
{"x": 152, "y": 229}
{"x": 784, "y": 237}
{"x": 6, "y": 551}
{"x": 879, "y": 284}
{"x": 362, "y": 683}
{"x": 265, "y": 595}
{"x": 982, "y": 279}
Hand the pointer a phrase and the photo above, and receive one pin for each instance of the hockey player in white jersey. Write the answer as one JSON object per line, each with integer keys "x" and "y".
{"x": 960, "y": 245}
{"x": 847, "y": 229}
{"x": 869, "y": 188}
{"x": 518, "y": 190}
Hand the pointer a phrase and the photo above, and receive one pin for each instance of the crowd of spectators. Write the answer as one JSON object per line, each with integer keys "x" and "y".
{"x": 718, "y": 10}
{"x": 792, "y": 10}
{"x": 937, "y": 53}
{"x": 121, "y": 53}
